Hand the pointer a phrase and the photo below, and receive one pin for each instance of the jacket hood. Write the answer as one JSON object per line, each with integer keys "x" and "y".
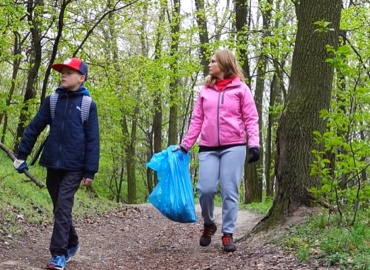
{"x": 235, "y": 82}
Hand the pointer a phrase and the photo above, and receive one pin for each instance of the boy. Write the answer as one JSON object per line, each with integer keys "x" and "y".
{"x": 71, "y": 153}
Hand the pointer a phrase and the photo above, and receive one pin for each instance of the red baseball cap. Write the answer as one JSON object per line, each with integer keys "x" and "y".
{"x": 75, "y": 63}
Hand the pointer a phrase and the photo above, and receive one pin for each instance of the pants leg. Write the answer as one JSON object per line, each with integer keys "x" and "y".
{"x": 62, "y": 186}
{"x": 209, "y": 164}
{"x": 231, "y": 168}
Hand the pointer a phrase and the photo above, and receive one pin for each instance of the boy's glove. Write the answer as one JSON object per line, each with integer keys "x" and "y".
{"x": 20, "y": 165}
{"x": 255, "y": 154}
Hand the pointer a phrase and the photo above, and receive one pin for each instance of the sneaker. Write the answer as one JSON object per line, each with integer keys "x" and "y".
{"x": 57, "y": 262}
{"x": 71, "y": 252}
{"x": 208, "y": 231}
{"x": 228, "y": 243}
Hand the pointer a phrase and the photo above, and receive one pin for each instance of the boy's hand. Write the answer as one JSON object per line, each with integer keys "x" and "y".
{"x": 20, "y": 165}
{"x": 87, "y": 181}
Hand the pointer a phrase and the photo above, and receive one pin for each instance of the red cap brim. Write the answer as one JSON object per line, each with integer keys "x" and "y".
{"x": 58, "y": 67}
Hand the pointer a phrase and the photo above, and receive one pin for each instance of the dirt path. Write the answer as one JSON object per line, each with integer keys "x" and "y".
{"x": 139, "y": 237}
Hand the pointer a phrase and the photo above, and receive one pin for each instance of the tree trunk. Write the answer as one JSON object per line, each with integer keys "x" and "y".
{"x": 255, "y": 179}
{"x": 16, "y": 65}
{"x": 174, "y": 84}
{"x": 242, "y": 25}
{"x": 130, "y": 159}
{"x": 268, "y": 155}
{"x": 203, "y": 35}
{"x": 309, "y": 92}
{"x": 274, "y": 95}
{"x": 157, "y": 101}
{"x": 35, "y": 63}
{"x": 63, "y": 7}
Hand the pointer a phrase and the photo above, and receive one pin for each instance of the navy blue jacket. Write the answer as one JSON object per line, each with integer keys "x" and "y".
{"x": 71, "y": 144}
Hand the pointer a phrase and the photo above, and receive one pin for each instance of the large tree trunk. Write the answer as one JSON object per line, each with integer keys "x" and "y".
{"x": 309, "y": 92}
{"x": 174, "y": 84}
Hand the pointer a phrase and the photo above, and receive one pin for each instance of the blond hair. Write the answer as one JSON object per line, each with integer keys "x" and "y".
{"x": 227, "y": 63}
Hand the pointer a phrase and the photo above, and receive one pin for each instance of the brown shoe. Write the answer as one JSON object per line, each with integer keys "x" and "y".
{"x": 228, "y": 243}
{"x": 208, "y": 231}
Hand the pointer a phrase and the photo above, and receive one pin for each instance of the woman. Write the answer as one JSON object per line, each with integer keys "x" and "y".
{"x": 223, "y": 110}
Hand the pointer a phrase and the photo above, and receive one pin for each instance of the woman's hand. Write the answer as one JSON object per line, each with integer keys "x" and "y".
{"x": 182, "y": 149}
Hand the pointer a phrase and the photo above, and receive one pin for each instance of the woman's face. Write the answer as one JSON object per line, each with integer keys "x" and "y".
{"x": 215, "y": 69}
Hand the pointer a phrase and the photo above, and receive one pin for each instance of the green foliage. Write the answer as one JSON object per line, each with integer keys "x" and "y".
{"x": 262, "y": 207}
{"x": 342, "y": 163}
{"x": 342, "y": 159}
{"x": 323, "y": 26}
{"x": 322, "y": 239}
{"x": 21, "y": 202}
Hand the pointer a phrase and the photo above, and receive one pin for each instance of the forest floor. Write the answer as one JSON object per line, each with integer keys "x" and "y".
{"x": 139, "y": 237}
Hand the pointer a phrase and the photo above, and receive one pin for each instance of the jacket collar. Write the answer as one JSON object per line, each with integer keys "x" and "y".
{"x": 82, "y": 91}
{"x": 234, "y": 83}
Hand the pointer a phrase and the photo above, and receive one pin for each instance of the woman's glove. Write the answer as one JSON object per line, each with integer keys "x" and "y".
{"x": 254, "y": 153}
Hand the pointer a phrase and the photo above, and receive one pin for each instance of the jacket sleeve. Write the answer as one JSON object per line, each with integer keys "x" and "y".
{"x": 92, "y": 146}
{"x": 195, "y": 124}
{"x": 33, "y": 130}
{"x": 250, "y": 117}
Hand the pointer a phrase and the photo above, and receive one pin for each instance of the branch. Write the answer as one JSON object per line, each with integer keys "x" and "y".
{"x": 98, "y": 22}
{"x": 26, "y": 172}
{"x": 358, "y": 55}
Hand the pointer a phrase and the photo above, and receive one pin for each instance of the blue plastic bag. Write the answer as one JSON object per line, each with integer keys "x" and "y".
{"x": 173, "y": 195}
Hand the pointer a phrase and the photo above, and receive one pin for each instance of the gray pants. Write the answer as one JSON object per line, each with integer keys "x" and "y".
{"x": 224, "y": 166}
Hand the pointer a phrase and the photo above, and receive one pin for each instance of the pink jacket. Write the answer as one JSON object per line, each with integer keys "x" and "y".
{"x": 218, "y": 117}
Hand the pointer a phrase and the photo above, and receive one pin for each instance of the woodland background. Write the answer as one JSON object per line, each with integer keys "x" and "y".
{"x": 306, "y": 62}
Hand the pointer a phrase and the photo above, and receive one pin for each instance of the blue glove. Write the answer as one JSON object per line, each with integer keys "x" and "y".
{"x": 20, "y": 165}
{"x": 254, "y": 153}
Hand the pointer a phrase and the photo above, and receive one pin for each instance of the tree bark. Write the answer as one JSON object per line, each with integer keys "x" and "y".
{"x": 35, "y": 63}
{"x": 16, "y": 64}
{"x": 309, "y": 92}
{"x": 242, "y": 25}
{"x": 203, "y": 35}
{"x": 157, "y": 101}
{"x": 174, "y": 84}
{"x": 63, "y": 7}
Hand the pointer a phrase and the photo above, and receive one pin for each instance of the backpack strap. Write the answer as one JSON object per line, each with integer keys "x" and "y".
{"x": 53, "y": 103}
{"x": 85, "y": 106}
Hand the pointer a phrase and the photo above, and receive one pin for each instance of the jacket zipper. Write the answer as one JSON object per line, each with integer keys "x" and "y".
{"x": 218, "y": 118}
{"x": 222, "y": 95}
{"x": 62, "y": 129}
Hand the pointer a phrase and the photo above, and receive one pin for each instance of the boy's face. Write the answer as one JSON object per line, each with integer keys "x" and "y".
{"x": 71, "y": 78}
